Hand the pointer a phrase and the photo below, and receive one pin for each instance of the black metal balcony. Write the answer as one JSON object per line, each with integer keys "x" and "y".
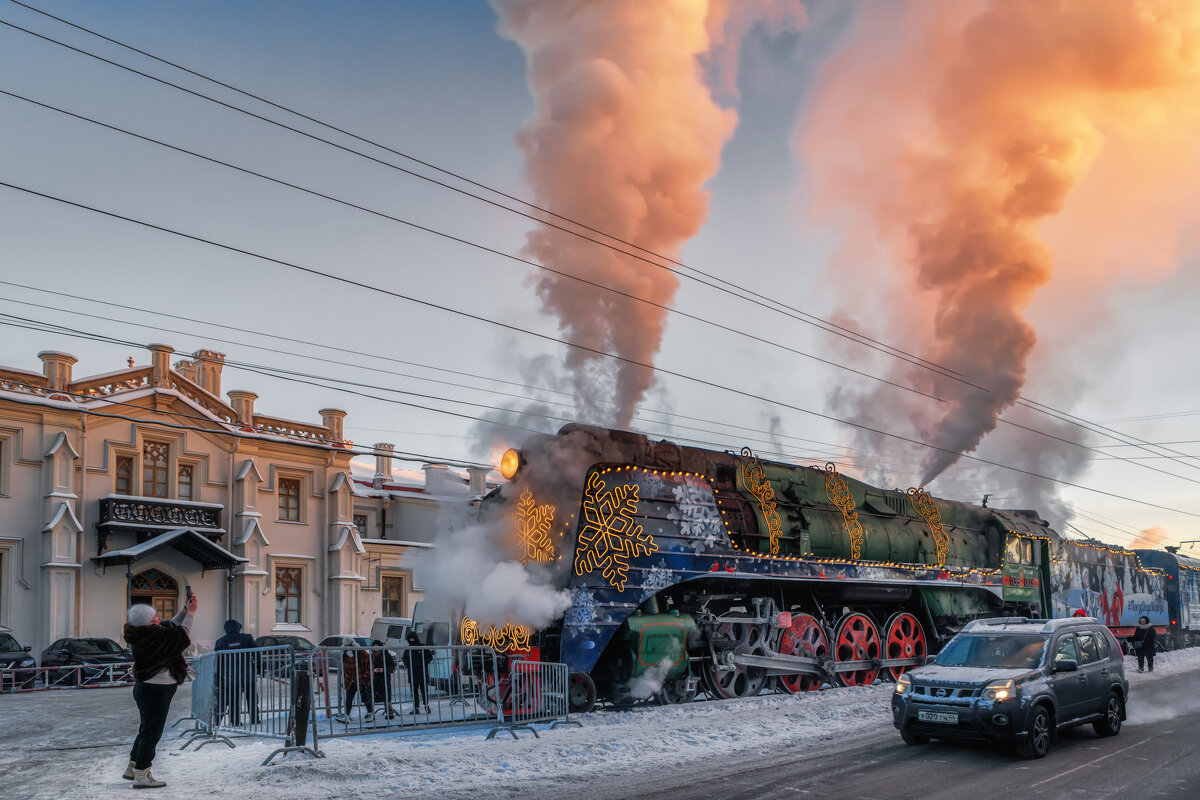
{"x": 150, "y": 516}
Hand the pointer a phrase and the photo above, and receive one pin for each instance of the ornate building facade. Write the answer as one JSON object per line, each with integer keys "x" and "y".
{"x": 133, "y": 485}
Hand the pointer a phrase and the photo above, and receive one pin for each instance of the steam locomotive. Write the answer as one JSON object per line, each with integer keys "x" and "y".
{"x": 690, "y": 568}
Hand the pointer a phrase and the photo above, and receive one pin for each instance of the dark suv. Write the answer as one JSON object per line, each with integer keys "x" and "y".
{"x": 1016, "y": 680}
{"x": 12, "y": 657}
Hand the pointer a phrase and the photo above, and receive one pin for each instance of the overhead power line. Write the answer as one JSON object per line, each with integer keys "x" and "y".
{"x": 698, "y": 381}
{"x": 718, "y": 284}
{"x": 469, "y": 243}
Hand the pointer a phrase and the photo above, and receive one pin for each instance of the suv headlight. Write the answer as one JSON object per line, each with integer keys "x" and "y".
{"x": 999, "y": 690}
{"x": 903, "y": 684}
{"x": 27, "y": 662}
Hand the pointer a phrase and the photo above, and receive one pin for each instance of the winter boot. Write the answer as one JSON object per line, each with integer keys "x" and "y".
{"x": 129, "y": 770}
{"x": 142, "y": 779}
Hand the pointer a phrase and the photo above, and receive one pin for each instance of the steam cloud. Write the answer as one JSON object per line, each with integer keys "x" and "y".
{"x": 982, "y": 142}
{"x": 625, "y": 134}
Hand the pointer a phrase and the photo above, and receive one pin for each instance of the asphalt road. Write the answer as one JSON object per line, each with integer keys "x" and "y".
{"x": 1156, "y": 755}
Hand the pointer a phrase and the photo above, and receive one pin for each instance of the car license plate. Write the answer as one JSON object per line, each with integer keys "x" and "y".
{"x": 938, "y": 716}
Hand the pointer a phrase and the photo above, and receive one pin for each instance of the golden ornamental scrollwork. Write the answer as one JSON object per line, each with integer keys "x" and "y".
{"x": 923, "y": 504}
{"x": 609, "y": 533}
{"x": 502, "y": 640}
{"x": 531, "y": 523}
{"x": 838, "y": 492}
{"x": 754, "y": 478}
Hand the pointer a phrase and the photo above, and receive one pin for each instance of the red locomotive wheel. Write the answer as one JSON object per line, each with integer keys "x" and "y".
{"x": 805, "y": 638}
{"x": 857, "y": 639}
{"x": 904, "y": 638}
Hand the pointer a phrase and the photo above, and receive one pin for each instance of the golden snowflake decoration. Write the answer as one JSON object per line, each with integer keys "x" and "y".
{"x": 609, "y": 535}
{"x": 532, "y": 523}
{"x": 510, "y": 637}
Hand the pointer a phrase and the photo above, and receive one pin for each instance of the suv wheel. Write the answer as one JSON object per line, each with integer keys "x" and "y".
{"x": 1111, "y": 724}
{"x": 1037, "y": 740}
{"x": 914, "y": 738}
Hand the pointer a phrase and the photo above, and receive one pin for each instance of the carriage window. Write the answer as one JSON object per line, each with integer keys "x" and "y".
{"x": 1026, "y": 551}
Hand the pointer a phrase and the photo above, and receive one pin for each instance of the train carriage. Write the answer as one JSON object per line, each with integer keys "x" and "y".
{"x": 1182, "y": 590}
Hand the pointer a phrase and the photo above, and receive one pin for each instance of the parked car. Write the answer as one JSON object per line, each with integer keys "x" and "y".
{"x": 275, "y": 665}
{"x": 92, "y": 654}
{"x": 12, "y": 657}
{"x": 1016, "y": 680}
{"x": 337, "y": 645}
{"x": 391, "y": 630}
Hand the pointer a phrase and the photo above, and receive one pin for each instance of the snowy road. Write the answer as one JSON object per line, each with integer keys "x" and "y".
{"x": 818, "y": 743}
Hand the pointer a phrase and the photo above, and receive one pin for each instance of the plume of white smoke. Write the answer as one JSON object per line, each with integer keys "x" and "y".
{"x": 624, "y": 136}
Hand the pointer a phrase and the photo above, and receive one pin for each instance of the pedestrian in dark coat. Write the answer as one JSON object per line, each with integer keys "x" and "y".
{"x": 158, "y": 669}
{"x": 1145, "y": 642}
{"x": 237, "y": 675}
{"x": 418, "y": 671}
{"x": 383, "y": 665}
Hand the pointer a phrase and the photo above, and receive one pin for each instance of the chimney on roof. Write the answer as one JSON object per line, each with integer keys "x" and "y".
{"x": 160, "y": 360}
{"x": 208, "y": 370}
{"x": 383, "y": 463}
{"x": 243, "y": 406}
{"x": 186, "y": 368}
{"x": 478, "y": 479}
{"x": 57, "y": 368}
{"x": 436, "y": 478}
{"x": 332, "y": 419}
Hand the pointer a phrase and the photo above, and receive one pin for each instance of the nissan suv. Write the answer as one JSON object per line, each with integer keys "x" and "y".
{"x": 1015, "y": 680}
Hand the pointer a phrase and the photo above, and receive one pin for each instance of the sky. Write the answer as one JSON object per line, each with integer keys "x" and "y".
{"x": 1003, "y": 195}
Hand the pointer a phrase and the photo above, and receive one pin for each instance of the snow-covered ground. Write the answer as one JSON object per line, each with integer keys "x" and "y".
{"x": 75, "y": 744}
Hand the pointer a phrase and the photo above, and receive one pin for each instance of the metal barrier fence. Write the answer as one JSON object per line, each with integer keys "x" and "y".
{"x": 262, "y": 692}
{"x": 374, "y": 689}
{"x": 78, "y": 676}
{"x": 531, "y": 691}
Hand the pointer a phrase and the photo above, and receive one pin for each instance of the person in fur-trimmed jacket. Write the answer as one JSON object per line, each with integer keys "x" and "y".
{"x": 158, "y": 669}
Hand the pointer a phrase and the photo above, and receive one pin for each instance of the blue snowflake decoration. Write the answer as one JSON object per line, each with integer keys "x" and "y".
{"x": 582, "y": 613}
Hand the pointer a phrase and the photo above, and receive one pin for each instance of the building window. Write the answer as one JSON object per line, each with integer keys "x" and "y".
{"x": 185, "y": 481}
{"x": 156, "y": 589}
{"x": 124, "y": 475}
{"x": 392, "y": 589}
{"x": 360, "y": 522}
{"x": 154, "y": 469}
{"x": 287, "y": 594}
{"x": 289, "y": 499}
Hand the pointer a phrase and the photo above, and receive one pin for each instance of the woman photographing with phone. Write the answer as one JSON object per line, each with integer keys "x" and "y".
{"x": 158, "y": 669}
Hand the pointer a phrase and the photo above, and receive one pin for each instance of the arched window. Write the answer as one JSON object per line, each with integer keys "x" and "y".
{"x": 156, "y": 589}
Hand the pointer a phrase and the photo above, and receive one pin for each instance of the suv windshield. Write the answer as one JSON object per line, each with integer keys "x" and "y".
{"x": 8, "y": 643}
{"x": 1007, "y": 651}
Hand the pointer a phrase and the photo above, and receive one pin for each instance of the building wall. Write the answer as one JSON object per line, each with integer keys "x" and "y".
{"x": 57, "y": 463}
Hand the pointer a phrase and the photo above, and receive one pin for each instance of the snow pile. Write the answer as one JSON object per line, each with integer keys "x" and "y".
{"x": 74, "y": 739}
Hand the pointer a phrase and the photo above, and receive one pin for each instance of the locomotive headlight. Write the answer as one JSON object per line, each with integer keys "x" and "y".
{"x": 999, "y": 690}
{"x": 509, "y": 463}
{"x": 903, "y": 684}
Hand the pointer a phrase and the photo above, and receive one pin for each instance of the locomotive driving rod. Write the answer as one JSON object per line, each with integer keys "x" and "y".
{"x": 779, "y": 664}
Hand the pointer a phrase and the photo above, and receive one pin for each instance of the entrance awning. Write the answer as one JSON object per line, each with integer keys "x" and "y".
{"x": 196, "y": 546}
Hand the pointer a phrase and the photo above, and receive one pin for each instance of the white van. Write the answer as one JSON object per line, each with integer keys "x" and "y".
{"x": 391, "y": 630}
